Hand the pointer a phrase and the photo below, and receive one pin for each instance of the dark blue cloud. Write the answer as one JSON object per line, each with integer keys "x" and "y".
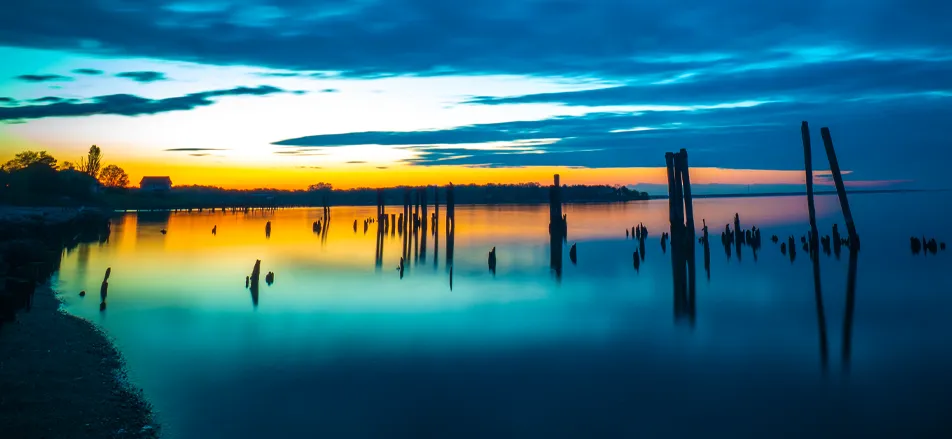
{"x": 43, "y": 78}
{"x": 128, "y": 105}
{"x": 51, "y": 100}
{"x": 811, "y": 82}
{"x": 575, "y": 37}
{"x": 91, "y": 72}
{"x": 143, "y": 76}
{"x": 6, "y": 100}
{"x": 870, "y": 138}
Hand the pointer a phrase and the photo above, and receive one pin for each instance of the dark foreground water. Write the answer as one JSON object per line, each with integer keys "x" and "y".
{"x": 341, "y": 347}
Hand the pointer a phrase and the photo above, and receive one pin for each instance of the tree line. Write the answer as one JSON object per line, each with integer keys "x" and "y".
{"x": 186, "y": 197}
{"x": 36, "y": 177}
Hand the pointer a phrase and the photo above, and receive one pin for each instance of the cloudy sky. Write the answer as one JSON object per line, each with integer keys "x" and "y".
{"x": 284, "y": 93}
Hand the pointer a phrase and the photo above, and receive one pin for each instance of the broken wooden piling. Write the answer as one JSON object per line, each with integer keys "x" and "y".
{"x": 682, "y": 235}
{"x": 840, "y": 188}
{"x": 556, "y": 227}
{"x": 450, "y": 207}
{"x": 814, "y": 238}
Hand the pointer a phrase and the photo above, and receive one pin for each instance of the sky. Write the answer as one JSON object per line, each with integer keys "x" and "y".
{"x": 367, "y": 93}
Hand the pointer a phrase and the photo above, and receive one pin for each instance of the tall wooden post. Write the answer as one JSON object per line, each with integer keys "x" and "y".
{"x": 436, "y": 207}
{"x": 686, "y": 192}
{"x": 840, "y": 188}
{"x": 450, "y": 207}
{"x": 424, "y": 218}
{"x": 808, "y": 167}
{"x": 555, "y": 208}
{"x": 688, "y": 239}
{"x": 814, "y": 241}
{"x": 669, "y": 160}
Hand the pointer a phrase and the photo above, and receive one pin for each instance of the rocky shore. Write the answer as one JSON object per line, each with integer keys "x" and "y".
{"x": 60, "y": 376}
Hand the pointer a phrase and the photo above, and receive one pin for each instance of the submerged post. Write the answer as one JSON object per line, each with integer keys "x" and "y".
{"x": 840, "y": 188}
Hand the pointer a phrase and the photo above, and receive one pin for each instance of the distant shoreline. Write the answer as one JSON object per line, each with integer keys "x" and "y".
{"x": 801, "y": 194}
{"x": 538, "y": 203}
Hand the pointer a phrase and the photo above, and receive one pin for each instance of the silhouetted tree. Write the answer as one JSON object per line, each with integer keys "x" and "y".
{"x": 67, "y": 166}
{"x": 92, "y": 163}
{"x": 114, "y": 176}
{"x": 26, "y": 158}
{"x": 320, "y": 186}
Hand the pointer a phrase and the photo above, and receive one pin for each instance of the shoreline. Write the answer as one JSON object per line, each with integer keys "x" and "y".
{"x": 62, "y": 377}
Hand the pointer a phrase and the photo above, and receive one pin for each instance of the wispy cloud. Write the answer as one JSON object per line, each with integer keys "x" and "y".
{"x": 194, "y": 149}
{"x": 52, "y": 100}
{"x": 129, "y": 105}
{"x": 143, "y": 76}
{"x": 89, "y": 72}
{"x": 44, "y": 78}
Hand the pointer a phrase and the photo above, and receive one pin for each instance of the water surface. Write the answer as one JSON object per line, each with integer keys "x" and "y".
{"x": 341, "y": 346}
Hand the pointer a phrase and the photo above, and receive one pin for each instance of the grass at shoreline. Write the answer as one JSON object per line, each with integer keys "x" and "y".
{"x": 61, "y": 377}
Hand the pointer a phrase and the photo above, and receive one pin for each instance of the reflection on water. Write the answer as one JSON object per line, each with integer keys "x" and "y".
{"x": 345, "y": 345}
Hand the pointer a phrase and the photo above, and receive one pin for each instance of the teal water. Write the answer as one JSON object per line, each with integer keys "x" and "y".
{"x": 342, "y": 346}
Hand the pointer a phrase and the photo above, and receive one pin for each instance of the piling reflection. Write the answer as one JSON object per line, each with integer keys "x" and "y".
{"x": 820, "y": 314}
{"x": 555, "y": 255}
{"x": 850, "y": 304}
{"x": 450, "y": 241}
{"x": 378, "y": 250}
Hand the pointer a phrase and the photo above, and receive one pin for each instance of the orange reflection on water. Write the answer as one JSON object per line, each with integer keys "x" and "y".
{"x": 292, "y": 234}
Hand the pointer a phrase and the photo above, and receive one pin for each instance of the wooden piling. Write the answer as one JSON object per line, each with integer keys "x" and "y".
{"x": 450, "y": 207}
{"x": 669, "y": 161}
{"x": 814, "y": 238}
{"x": 555, "y": 208}
{"x": 686, "y": 192}
{"x": 811, "y": 206}
{"x": 688, "y": 230}
{"x": 436, "y": 203}
{"x": 840, "y": 188}
{"x": 424, "y": 217}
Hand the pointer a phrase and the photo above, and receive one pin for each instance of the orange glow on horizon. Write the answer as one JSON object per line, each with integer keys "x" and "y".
{"x": 354, "y": 176}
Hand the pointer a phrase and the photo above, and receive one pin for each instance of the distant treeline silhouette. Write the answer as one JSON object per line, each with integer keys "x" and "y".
{"x": 33, "y": 178}
{"x": 192, "y": 197}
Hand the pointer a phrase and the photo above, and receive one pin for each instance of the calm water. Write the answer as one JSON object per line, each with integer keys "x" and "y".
{"x": 342, "y": 347}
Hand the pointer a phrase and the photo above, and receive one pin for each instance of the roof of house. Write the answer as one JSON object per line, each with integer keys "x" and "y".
{"x": 155, "y": 180}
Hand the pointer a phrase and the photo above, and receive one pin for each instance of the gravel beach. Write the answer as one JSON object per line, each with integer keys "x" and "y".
{"x": 61, "y": 377}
